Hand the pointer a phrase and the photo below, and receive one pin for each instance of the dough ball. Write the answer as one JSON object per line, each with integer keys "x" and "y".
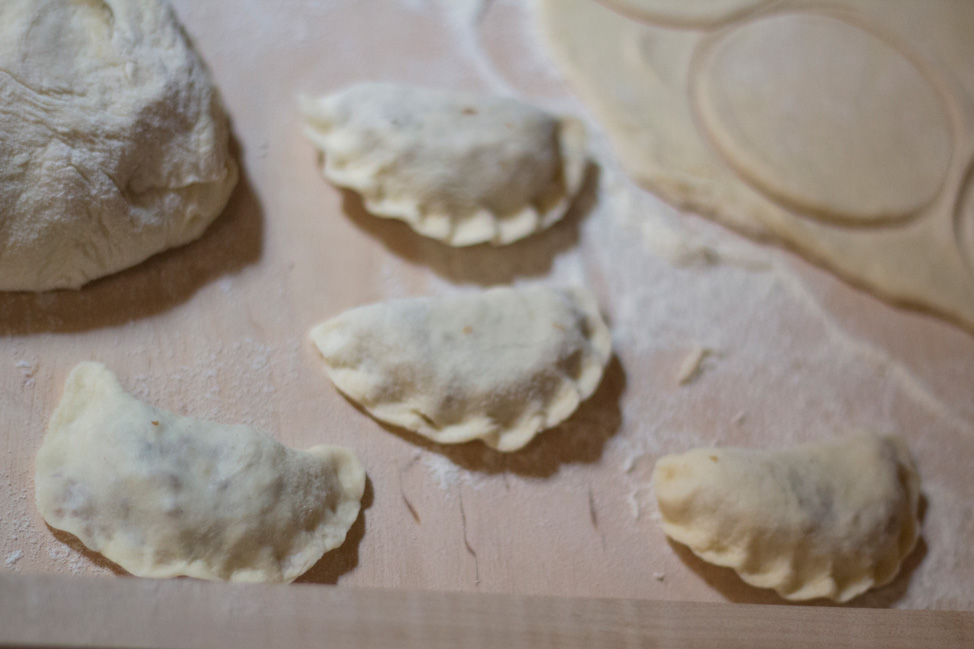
{"x": 113, "y": 140}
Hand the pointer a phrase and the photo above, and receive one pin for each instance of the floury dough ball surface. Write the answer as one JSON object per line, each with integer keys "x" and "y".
{"x": 113, "y": 140}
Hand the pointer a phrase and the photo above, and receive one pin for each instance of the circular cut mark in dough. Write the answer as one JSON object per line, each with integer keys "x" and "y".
{"x": 965, "y": 219}
{"x": 685, "y": 13}
{"x": 824, "y": 117}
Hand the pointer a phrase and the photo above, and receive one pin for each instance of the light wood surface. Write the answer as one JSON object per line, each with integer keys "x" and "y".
{"x": 218, "y": 330}
{"x": 187, "y": 614}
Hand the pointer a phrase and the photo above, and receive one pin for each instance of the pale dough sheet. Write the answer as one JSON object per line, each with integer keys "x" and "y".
{"x": 843, "y": 129}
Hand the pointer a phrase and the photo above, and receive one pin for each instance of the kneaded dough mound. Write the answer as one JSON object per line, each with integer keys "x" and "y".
{"x": 113, "y": 141}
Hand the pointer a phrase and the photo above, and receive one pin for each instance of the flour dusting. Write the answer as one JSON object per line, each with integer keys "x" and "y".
{"x": 789, "y": 371}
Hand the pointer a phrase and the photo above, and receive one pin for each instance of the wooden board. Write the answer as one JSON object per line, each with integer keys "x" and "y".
{"x": 186, "y": 614}
{"x": 217, "y": 329}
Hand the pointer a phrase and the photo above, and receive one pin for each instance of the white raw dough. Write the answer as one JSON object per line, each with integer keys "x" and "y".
{"x": 831, "y": 519}
{"x": 684, "y": 13}
{"x": 113, "y": 141}
{"x": 499, "y": 365}
{"x": 163, "y": 495}
{"x": 842, "y": 153}
{"x": 460, "y": 168}
{"x": 844, "y": 130}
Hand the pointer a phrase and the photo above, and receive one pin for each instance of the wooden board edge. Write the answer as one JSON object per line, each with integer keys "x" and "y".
{"x": 59, "y": 611}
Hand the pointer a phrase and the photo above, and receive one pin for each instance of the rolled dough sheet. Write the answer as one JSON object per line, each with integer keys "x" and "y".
{"x": 844, "y": 129}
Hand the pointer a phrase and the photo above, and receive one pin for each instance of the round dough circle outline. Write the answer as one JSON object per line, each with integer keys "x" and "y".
{"x": 964, "y": 217}
{"x": 689, "y": 15}
{"x": 876, "y": 194}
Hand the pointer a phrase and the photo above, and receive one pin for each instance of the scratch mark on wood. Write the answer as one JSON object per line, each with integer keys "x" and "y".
{"x": 405, "y": 499}
{"x": 412, "y": 462}
{"x": 466, "y": 541}
{"x": 592, "y": 514}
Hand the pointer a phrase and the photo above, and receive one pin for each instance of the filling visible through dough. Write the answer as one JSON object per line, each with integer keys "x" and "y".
{"x": 460, "y": 168}
{"x": 163, "y": 495}
{"x": 499, "y": 365}
{"x": 830, "y": 519}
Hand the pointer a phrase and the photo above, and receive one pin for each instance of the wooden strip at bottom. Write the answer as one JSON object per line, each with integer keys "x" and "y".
{"x": 57, "y": 611}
